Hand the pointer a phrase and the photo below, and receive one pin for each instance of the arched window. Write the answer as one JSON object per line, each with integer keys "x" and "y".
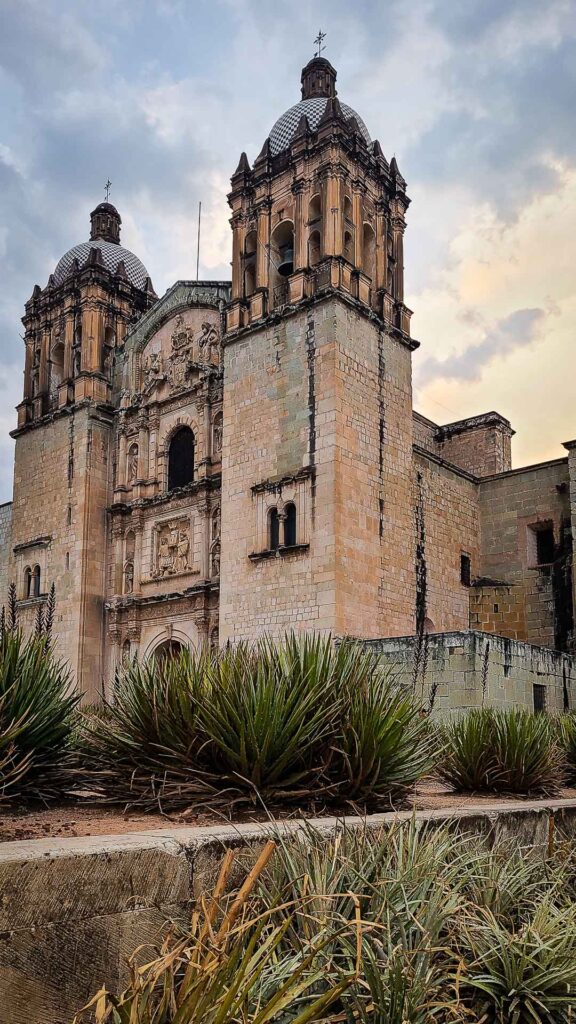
{"x": 273, "y": 530}
{"x": 167, "y": 650}
{"x": 314, "y": 209}
{"x": 289, "y": 524}
{"x": 348, "y": 209}
{"x": 35, "y": 587}
{"x": 181, "y": 458}
{"x": 56, "y": 368}
{"x": 27, "y": 581}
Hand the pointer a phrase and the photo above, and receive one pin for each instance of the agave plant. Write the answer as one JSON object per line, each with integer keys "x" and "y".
{"x": 273, "y": 712}
{"x": 386, "y": 744}
{"x": 144, "y": 747}
{"x": 231, "y": 966}
{"x": 566, "y": 731}
{"x": 507, "y": 750}
{"x": 37, "y": 713}
{"x": 527, "y": 976}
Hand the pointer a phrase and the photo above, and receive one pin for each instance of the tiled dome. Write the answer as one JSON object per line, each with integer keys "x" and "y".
{"x": 112, "y": 255}
{"x": 285, "y": 127}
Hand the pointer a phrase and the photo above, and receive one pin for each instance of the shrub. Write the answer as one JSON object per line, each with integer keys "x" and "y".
{"x": 386, "y": 744}
{"x": 231, "y": 966}
{"x": 377, "y": 927}
{"x": 297, "y": 721}
{"x": 501, "y": 751}
{"x": 37, "y": 714}
{"x": 566, "y": 731}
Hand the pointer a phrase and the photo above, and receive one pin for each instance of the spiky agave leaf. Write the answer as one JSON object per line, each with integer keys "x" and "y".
{"x": 386, "y": 743}
{"x": 506, "y": 750}
{"x": 36, "y": 699}
{"x": 273, "y": 712}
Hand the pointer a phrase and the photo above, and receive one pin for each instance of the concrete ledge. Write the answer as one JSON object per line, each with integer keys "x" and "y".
{"x": 73, "y": 910}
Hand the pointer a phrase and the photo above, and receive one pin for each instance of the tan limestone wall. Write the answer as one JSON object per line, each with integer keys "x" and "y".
{"x": 480, "y": 449}
{"x": 451, "y": 527}
{"x": 511, "y": 507}
{"x": 61, "y": 489}
{"x": 327, "y": 395}
{"x": 5, "y": 549}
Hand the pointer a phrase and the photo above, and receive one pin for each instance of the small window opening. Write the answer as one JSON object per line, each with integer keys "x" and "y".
{"x": 27, "y": 581}
{"x": 273, "y": 530}
{"x": 465, "y": 570}
{"x": 290, "y": 525}
{"x": 545, "y": 545}
{"x": 67, "y": 559}
{"x": 496, "y": 609}
{"x": 539, "y": 697}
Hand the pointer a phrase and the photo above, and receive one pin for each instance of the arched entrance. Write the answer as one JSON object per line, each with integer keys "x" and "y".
{"x": 167, "y": 650}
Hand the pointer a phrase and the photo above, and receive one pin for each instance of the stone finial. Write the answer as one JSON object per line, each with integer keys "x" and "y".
{"x": 243, "y": 165}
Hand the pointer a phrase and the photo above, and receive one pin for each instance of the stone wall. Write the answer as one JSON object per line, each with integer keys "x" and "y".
{"x": 5, "y": 546}
{"x": 461, "y": 670}
{"x": 317, "y": 410}
{"x": 61, "y": 490}
{"x": 74, "y": 910}
{"x": 447, "y": 526}
{"x": 513, "y": 507}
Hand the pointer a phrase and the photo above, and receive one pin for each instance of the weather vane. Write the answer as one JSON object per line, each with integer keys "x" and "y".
{"x": 107, "y": 188}
{"x": 318, "y": 43}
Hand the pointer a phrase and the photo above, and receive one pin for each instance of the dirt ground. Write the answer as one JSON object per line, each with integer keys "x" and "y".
{"x": 71, "y": 820}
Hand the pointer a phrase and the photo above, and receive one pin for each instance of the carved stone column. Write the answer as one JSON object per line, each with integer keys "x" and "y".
{"x": 398, "y": 226}
{"x": 300, "y": 226}
{"x": 262, "y": 247}
{"x": 238, "y": 232}
{"x": 68, "y": 343}
{"x": 204, "y": 513}
{"x": 121, "y": 467}
{"x": 358, "y": 191}
{"x": 143, "y": 467}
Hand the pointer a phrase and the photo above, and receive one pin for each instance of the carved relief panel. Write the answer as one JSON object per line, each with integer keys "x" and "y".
{"x": 172, "y": 553}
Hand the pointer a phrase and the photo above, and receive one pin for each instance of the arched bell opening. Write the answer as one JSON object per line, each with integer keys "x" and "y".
{"x": 314, "y": 248}
{"x": 348, "y": 246}
{"x": 369, "y": 251}
{"x": 56, "y": 368}
{"x": 250, "y": 246}
{"x": 281, "y": 261}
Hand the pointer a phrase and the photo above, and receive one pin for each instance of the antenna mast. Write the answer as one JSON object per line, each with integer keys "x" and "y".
{"x": 198, "y": 246}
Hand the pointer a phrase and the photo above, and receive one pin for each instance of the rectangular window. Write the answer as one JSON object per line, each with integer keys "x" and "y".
{"x": 545, "y": 546}
{"x": 539, "y": 698}
{"x": 465, "y": 570}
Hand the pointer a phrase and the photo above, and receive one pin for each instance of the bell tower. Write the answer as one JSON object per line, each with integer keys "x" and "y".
{"x": 317, "y": 370}
{"x": 64, "y": 455}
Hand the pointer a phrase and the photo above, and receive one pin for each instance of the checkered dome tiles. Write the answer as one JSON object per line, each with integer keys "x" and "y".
{"x": 285, "y": 127}
{"x": 112, "y": 254}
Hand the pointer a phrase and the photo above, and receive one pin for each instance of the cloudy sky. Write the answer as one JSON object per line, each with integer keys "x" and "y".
{"x": 476, "y": 98}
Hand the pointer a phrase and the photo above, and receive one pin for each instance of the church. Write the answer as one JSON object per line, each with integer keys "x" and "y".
{"x": 243, "y": 457}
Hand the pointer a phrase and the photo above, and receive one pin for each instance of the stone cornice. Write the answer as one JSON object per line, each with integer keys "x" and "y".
{"x": 324, "y": 295}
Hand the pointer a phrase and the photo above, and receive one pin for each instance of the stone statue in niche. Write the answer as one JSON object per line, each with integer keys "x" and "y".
{"x": 153, "y": 372}
{"x": 108, "y": 361}
{"x": 172, "y": 548}
{"x": 217, "y": 433}
{"x": 181, "y": 356}
{"x": 216, "y": 558}
{"x": 129, "y": 577}
{"x": 132, "y": 463}
{"x": 208, "y": 343}
{"x": 216, "y": 524}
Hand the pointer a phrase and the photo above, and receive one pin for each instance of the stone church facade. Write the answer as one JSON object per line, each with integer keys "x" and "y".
{"x": 243, "y": 457}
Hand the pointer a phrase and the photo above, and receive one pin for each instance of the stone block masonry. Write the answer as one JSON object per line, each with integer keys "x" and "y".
{"x": 460, "y": 670}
